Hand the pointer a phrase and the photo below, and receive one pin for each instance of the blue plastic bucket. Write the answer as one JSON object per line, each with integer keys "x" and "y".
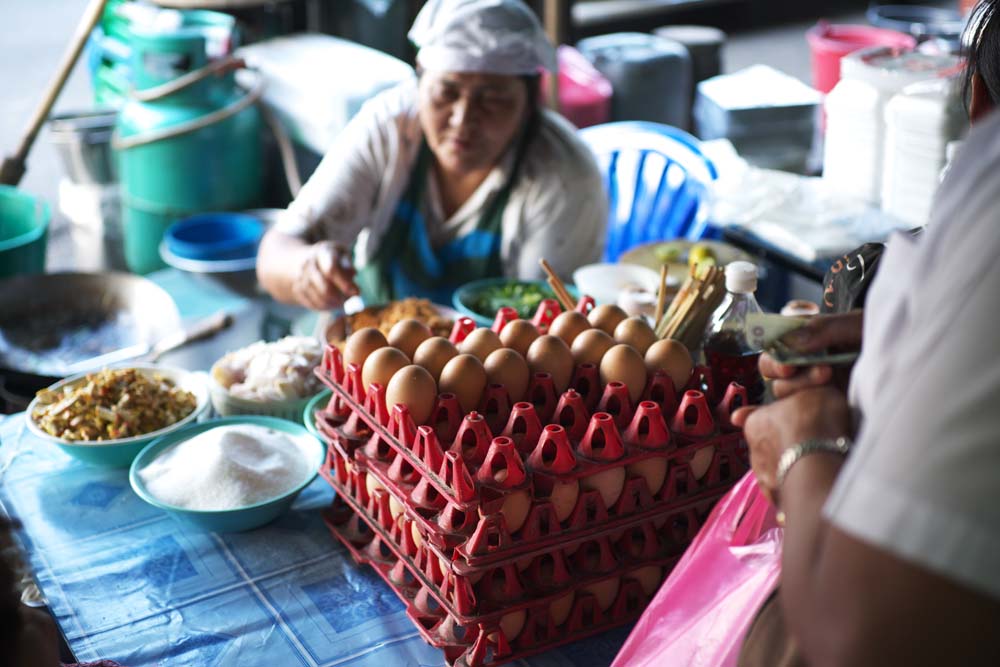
{"x": 215, "y": 236}
{"x": 24, "y": 232}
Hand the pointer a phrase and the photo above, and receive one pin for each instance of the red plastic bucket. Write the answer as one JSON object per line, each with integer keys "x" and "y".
{"x": 829, "y": 43}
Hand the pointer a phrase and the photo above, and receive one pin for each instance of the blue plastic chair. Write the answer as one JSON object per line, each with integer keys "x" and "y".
{"x": 657, "y": 180}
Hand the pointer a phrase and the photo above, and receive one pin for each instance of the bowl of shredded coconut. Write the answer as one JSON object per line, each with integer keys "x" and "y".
{"x": 228, "y": 475}
{"x": 274, "y": 379}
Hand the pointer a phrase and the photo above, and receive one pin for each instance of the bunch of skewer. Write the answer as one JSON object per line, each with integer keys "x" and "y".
{"x": 687, "y": 316}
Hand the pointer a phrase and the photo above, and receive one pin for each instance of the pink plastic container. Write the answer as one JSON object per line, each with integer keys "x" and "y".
{"x": 829, "y": 43}
{"x": 584, "y": 93}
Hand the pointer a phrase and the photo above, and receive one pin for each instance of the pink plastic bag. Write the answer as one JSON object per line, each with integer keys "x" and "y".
{"x": 703, "y": 610}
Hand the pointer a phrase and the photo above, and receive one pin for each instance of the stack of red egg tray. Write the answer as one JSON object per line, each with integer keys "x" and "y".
{"x": 421, "y": 504}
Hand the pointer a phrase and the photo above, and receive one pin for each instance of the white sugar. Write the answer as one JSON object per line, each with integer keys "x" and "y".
{"x": 227, "y": 467}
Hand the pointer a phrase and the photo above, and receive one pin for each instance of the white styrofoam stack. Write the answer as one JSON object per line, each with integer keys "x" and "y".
{"x": 769, "y": 116}
{"x": 855, "y": 131}
{"x": 316, "y": 83}
{"x": 920, "y": 123}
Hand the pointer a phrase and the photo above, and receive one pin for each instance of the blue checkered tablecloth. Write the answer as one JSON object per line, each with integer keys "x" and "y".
{"x": 127, "y": 582}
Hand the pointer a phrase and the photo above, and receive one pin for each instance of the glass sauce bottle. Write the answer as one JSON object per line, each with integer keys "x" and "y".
{"x": 727, "y": 350}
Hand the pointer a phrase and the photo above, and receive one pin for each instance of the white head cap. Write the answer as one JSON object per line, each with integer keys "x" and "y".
{"x": 487, "y": 36}
{"x": 741, "y": 277}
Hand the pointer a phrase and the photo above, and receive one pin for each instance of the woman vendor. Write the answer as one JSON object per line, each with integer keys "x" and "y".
{"x": 454, "y": 176}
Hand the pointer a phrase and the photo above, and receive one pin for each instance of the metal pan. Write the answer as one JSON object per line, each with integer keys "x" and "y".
{"x": 50, "y": 323}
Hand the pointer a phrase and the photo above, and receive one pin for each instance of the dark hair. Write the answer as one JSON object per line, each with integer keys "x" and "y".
{"x": 982, "y": 43}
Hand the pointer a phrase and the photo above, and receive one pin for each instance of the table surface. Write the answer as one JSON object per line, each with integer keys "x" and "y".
{"x": 128, "y": 582}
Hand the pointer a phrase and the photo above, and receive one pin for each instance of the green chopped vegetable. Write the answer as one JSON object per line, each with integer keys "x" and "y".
{"x": 522, "y": 297}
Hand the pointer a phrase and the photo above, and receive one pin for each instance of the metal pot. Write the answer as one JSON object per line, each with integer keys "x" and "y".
{"x": 83, "y": 140}
{"x": 53, "y": 321}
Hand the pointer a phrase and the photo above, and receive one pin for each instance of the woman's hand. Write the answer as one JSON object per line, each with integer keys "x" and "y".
{"x": 326, "y": 277}
{"x": 841, "y": 331}
{"x": 819, "y": 412}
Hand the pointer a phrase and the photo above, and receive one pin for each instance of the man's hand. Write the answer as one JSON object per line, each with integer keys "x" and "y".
{"x": 326, "y": 278}
{"x": 769, "y": 430}
{"x": 823, "y": 331}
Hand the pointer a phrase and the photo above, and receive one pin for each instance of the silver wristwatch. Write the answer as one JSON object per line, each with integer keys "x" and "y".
{"x": 792, "y": 455}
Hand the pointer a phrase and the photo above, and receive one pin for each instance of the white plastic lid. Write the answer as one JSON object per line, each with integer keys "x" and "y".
{"x": 741, "y": 277}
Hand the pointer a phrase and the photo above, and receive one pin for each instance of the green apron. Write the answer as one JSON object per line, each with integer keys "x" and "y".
{"x": 407, "y": 265}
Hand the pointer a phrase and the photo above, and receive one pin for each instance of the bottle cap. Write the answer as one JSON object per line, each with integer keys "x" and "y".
{"x": 741, "y": 277}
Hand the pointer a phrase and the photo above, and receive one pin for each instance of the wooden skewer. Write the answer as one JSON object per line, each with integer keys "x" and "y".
{"x": 562, "y": 294}
{"x": 661, "y": 296}
{"x": 564, "y": 300}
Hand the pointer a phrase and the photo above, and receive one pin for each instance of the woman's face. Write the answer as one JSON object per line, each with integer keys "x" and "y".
{"x": 470, "y": 119}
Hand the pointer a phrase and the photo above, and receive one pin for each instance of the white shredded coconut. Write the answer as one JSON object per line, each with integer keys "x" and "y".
{"x": 226, "y": 468}
{"x": 276, "y": 371}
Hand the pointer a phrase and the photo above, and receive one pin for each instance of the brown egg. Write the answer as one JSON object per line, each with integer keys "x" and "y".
{"x": 480, "y": 343}
{"x": 605, "y": 591}
{"x": 635, "y": 332}
{"x": 515, "y": 509}
{"x": 649, "y": 578}
{"x": 507, "y": 367}
{"x": 362, "y": 343}
{"x": 623, "y": 364}
{"x": 561, "y": 608}
{"x": 653, "y": 470}
{"x": 564, "y": 496}
{"x": 433, "y": 354}
{"x": 465, "y": 377}
{"x": 395, "y": 507}
{"x": 606, "y": 318}
{"x": 569, "y": 325}
{"x": 415, "y": 534}
{"x": 702, "y": 461}
{"x": 511, "y": 625}
{"x": 608, "y": 483}
{"x": 518, "y": 335}
{"x": 590, "y": 346}
{"x": 549, "y": 354}
{"x": 673, "y": 358}
{"x": 381, "y": 365}
{"x": 372, "y": 484}
{"x": 407, "y": 335}
{"x": 413, "y": 387}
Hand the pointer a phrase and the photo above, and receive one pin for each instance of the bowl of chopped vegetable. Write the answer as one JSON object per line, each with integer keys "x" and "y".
{"x": 481, "y": 299}
{"x": 105, "y": 418}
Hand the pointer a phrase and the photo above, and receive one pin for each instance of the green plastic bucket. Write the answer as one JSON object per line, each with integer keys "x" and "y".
{"x": 24, "y": 232}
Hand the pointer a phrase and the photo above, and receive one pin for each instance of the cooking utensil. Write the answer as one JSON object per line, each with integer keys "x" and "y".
{"x": 51, "y": 321}
{"x": 150, "y": 353}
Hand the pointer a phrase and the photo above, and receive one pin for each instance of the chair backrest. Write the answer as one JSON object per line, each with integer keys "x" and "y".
{"x": 657, "y": 180}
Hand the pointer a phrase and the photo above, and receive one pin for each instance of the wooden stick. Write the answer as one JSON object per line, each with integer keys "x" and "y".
{"x": 557, "y": 286}
{"x": 661, "y": 296}
{"x": 564, "y": 300}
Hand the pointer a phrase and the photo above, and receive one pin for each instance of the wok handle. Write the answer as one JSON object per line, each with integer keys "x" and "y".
{"x": 205, "y": 328}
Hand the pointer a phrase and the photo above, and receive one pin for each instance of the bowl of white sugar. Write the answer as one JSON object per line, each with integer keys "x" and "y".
{"x": 230, "y": 474}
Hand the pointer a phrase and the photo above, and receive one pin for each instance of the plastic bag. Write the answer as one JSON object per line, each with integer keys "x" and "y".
{"x": 703, "y": 610}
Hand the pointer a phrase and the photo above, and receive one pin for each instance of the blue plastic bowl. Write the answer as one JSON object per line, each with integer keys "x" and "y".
{"x": 120, "y": 453}
{"x": 317, "y": 402}
{"x": 24, "y": 232}
{"x": 215, "y": 236}
{"x": 242, "y": 518}
{"x": 465, "y": 296}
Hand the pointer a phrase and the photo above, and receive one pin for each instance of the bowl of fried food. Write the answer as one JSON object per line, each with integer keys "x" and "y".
{"x": 105, "y": 418}
{"x": 438, "y": 318}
